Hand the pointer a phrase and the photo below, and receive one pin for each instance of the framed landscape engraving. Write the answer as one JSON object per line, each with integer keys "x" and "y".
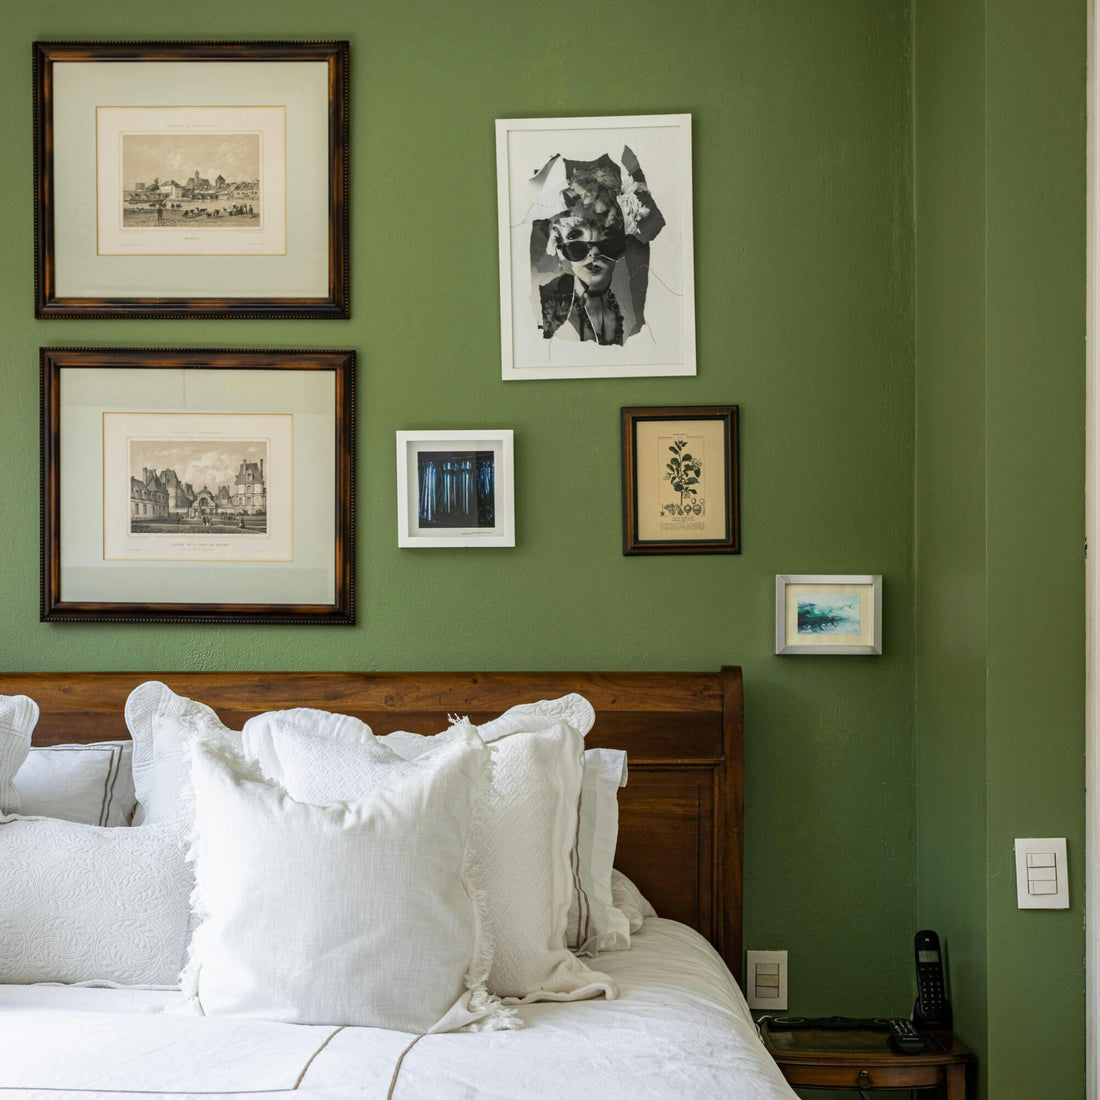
{"x": 828, "y": 613}
{"x": 595, "y": 238}
{"x": 197, "y": 486}
{"x": 455, "y": 488}
{"x": 205, "y": 179}
{"x": 681, "y": 480}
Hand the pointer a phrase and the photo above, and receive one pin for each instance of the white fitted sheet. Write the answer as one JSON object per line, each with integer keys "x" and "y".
{"x": 680, "y": 1028}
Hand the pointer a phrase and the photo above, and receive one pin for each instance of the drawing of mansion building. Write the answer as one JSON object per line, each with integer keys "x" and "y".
{"x": 249, "y": 491}
{"x": 163, "y": 495}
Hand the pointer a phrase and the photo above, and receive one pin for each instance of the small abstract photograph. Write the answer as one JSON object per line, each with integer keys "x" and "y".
{"x": 825, "y": 613}
{"x": 456, "y": 489}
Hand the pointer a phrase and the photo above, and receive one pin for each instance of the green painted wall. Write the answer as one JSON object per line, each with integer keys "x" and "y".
{"x": 1000, "y": 310}
{"x": 840, "y": 338}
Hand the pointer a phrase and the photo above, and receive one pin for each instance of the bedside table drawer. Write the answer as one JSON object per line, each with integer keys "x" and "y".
{"x": 864, "y": 1077}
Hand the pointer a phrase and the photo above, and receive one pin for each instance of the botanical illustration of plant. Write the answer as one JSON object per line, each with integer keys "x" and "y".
{"x": 683, "y": 470}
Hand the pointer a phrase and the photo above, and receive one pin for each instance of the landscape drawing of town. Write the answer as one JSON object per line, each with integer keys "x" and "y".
{"x": 200, "y": 487}
{"x": 199, "y": 181}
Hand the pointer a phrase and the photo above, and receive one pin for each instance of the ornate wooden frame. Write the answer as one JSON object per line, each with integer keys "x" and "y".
{"x": 47, "y": 303}
{"x": 56, "y": 608}
{"x": 680, "y": 816}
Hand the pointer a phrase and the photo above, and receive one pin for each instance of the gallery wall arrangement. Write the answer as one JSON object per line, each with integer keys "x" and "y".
{"x": 211, "y": 180}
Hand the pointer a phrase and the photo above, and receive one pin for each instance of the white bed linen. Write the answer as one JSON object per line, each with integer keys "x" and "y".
{"x": 680, "y": 1028}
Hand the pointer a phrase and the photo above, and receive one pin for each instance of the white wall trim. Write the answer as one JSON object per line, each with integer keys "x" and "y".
{"x": 1092, "y": 610}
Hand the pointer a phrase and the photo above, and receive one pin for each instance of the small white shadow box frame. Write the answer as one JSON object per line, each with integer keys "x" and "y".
{"x": 455, "y": 488}
{"x": 828, "y": 614}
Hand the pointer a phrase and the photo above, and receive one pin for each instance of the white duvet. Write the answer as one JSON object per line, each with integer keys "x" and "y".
{"x": 679, "y": 1028}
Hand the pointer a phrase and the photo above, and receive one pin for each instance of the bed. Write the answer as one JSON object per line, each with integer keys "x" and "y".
{"x": 678, "y": 1027}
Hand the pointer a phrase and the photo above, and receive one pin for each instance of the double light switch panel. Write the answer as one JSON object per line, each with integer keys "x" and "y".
{"x": 766, "y": 979}
{"x": 1041, "y": 879}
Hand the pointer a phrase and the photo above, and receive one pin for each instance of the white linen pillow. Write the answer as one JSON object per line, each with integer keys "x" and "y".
{"x": 365, "y": 913}
{"x": 83, "y": 903}
{"x": 526, "y": 847}
{"x": 594, "y": 923}
{"x": 92, "y": 784}
{"x": 630, "y": 900}
{"x": 162, "y": 723}
{"x": 18, "y": 717}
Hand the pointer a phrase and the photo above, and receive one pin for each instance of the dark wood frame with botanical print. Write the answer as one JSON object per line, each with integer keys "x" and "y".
{"x": 61, "y": 245}
{"x": 655, "y": 526}
{"x": 192, "y": 554}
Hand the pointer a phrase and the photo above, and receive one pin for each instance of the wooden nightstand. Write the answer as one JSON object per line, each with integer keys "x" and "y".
{"x": 857, "y": 1059}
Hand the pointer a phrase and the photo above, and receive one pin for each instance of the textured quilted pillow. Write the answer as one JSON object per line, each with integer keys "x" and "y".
{"x": 92, "y": 784}
{"x": 594, "y": 923}
{"x": 18, "y": 717}
{"x": 82, "y": 903}
{"x": 367, "y": 912}
{"x": 162, "y": 723}
{"x": 318, "y": 756}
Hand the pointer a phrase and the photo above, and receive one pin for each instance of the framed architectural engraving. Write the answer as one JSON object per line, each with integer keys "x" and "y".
{"x": 205, "y": 179}
{"x": 827, "y": 613}
{"x": 197, "y": 486}
{"x": 680, "y": 480}
{"x": 455, "y": 488}
{"x": 595, "y": 236}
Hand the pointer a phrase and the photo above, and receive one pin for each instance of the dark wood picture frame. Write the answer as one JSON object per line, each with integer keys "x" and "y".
{"x": 89, "y": 432}
{"x": 333, "y": 304}
{"x": 653, "y": 525}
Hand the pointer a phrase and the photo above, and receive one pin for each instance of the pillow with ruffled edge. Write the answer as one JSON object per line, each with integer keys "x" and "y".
{"x": 162, "y": 724}
{"x": 366, "y": 913}
{"x": 18, "y": 717}
{"x": 527, "y": 847}
{"x": 330, "y": 757}
{"x": 594, "y": 922}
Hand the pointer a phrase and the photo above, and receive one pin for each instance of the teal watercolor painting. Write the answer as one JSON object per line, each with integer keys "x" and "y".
{"x": 824, "y": 613}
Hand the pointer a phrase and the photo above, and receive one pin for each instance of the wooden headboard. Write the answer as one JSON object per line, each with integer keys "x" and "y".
{"x": 681, "y": 816}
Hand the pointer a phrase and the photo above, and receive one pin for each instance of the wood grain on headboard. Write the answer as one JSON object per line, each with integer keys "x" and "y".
{"x": 681, "y": 816}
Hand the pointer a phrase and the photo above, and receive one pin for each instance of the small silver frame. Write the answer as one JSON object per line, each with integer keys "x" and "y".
{"x": 870, "y": 633}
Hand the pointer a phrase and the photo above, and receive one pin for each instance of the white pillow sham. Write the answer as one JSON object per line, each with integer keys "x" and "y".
{"x": 81, "y": 903}
{"x": 360, "y": 913}
{"x": 91, "y": 784}
{"x": 526, "y": 847}
{"x": 317, "y": 755}
{"x": 594, "y": 923}
{"x": 162, "y": 723}
{"x": 18, "y": 717}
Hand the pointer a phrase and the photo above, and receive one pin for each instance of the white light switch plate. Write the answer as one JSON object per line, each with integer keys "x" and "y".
{"x": 1042, "y": 881}
{"x": 766, "y": 979}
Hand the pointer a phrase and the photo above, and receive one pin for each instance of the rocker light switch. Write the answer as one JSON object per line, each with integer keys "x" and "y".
{"x": 766, "y": 979}
{"x": 1041, "y": 879}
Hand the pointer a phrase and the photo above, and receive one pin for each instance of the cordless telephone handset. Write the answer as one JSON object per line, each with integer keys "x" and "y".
{"x": 932, "y": 1009}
